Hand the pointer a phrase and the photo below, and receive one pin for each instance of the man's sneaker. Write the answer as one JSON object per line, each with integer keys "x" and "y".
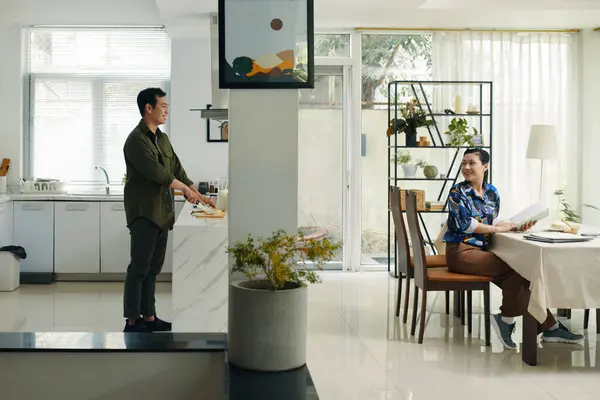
{"x": 139, "y": 327}
{"x": 504, "y": 331}
{"x": 561, "y": 335}
{"x": 158, "y": 325}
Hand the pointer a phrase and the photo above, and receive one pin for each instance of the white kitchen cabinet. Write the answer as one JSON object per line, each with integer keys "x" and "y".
{"x": 6, "y": 224}
{"x": 168, "y": 265}
{"x": 114, "y": 238}
{"x": 77, "y": 237}
{"x": 34, "y": 230}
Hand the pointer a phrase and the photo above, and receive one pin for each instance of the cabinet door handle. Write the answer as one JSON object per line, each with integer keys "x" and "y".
{"x": 118, "y": 207}
{"x": 32, "y": 207}
{"x": 76, "y": 207}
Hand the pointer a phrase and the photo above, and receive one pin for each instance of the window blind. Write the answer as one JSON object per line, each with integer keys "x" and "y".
{"x": 83, "y": 85}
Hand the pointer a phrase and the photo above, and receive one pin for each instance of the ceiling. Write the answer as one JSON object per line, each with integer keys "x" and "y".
{"x": 425, "y": 13}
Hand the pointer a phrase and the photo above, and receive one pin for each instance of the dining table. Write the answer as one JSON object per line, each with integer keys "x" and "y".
{"x": 561, "y": 275}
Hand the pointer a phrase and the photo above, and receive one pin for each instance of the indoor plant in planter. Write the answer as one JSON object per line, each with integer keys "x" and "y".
{"x": 568, "y": 213}
{"x": 413, "y": 117}
{"x": 268, "y": 311}
{"x": 404, "y": 158}
{"x": 458, "y": 130}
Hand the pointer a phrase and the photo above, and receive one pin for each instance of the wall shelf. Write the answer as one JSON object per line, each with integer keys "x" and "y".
{"x": 483, "y": 120}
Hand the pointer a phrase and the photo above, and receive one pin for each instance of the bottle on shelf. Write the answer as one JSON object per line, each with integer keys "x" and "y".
{"x": 457, "y": 104}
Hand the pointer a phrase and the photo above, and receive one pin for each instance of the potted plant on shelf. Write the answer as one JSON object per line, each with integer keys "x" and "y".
{"x": 413, "y": 117}
{"x": 404, "y": 158}
{"x": 458, "y": 131}
{"x": 268, "y": 310}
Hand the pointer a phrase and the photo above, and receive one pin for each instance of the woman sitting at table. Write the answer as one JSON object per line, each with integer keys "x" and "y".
{"x": 473, "y": 207}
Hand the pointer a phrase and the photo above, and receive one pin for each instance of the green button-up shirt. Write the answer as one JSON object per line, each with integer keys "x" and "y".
{"x": 151, "y": 167}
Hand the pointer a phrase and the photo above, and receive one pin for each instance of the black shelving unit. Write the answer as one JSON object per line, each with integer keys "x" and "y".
{"x": 435, "y": 133}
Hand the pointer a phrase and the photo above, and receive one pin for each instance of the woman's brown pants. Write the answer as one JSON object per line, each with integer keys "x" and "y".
{"x": 462, "y": 258}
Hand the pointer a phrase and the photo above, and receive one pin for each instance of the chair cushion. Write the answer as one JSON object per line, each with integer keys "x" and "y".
{"x": 432, "y": 261}
{"x": 443, "y": 275}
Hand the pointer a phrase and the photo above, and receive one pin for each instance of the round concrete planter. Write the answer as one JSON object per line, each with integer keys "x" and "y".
{"x": 267, "y": 329}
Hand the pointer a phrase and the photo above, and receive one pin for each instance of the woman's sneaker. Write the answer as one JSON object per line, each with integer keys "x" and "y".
{"x": 561, "y": 335}
{"x": 504, "y": 331}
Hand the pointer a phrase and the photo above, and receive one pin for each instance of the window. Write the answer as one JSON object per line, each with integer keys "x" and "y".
{"x": 386, "y": 58}
{"x": 83, "y": 85}
{"x": 332, "y": 45}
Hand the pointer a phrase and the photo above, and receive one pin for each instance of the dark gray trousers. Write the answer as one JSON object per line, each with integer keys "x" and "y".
{"x": 148, "y": 248}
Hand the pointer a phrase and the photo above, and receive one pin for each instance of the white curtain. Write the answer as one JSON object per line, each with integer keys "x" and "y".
{"x": 535, "y": 81}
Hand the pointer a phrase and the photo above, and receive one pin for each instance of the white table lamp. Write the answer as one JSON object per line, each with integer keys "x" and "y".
{"x": 542, "y": 146}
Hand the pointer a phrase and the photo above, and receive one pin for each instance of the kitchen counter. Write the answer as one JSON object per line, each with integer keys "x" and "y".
{"x": 200, "y": 273}
{"x": 80, "y": 197}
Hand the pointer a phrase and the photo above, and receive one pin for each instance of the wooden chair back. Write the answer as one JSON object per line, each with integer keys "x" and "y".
{"x": 403, "y": 253}
{"x": 418, "y": 248}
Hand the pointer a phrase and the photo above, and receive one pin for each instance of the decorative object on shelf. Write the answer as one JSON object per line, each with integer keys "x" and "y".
{"x": 568, "y": 213}
{"x": 434, "y": 205}
{"x": 423, "y": 142}
{"x": 458, "y": 132}
{"x": 430, "y": 171}
{"x": 266, "y": 44}
{"x": 542, "y": 146}
{"x": 477, "y": 140}
{"x": 472, "y": 109}
{"x": 217, "y": 131}
{"x": 268, "y": 311}
{"x": 420, "y": 194}
{"x": 413, "y": 117}
{"x": 443, "y": 176}
{"x": 457, "y": 103}
{"x": 404, "y": 158}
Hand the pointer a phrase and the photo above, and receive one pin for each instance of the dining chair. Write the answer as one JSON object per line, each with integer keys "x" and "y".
{"x": 404, "y": 262}
{"x": 438, "y": 279}
{"x": 586, "y": 319}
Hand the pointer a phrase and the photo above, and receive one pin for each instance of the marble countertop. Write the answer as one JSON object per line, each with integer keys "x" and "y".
{"x": 188, "y": 220}
{"x": 92, "y": 196}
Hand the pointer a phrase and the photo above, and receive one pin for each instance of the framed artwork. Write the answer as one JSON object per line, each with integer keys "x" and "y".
{"x": 217, "y": 131}
{"x": 266, "y": 44}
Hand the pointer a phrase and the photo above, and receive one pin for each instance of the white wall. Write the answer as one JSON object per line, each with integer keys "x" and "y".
{"x": 263, "y": 160}
{"x": 41, "y": 12}
{"x": 191, "y": 88}
{"x": 590, "y": 104}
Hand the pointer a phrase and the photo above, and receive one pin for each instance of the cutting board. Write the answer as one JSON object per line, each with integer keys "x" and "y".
{"x": 201, "y": 214}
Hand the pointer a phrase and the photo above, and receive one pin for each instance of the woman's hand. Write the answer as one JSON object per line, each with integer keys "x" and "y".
{"x": 504, "y": 226}
{"x": 527, "y": 226}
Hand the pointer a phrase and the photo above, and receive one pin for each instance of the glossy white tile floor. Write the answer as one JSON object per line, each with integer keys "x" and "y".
{"x": 357, "y": 349}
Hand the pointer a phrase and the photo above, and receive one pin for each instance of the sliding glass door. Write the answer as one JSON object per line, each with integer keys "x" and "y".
{"x": 322, "y": 161}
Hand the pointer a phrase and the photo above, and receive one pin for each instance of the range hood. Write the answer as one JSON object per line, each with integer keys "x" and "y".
{"x": 218, "y": 110}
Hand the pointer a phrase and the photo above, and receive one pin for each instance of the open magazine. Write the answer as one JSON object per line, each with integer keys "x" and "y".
{"x": 534, "y": 212}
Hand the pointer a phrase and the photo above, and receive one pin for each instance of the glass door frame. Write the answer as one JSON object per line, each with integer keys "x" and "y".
{"x": 349, "y": 250}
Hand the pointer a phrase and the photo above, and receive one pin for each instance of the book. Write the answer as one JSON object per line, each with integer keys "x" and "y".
{"x": 534, "y": 212}
{"x": 557, "y": 237}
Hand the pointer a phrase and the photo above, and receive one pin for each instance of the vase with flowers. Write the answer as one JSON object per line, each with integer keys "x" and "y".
{"x": 412, "y": 118}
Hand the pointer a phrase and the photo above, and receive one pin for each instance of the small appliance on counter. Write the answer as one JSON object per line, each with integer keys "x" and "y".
{"x": 203, "y": 187}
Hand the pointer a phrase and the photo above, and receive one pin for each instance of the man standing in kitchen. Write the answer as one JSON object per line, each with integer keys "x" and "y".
{"x": 153, "y": 173}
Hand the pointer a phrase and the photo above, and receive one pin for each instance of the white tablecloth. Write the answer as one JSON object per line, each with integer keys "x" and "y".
{"x": 565, "y": 275}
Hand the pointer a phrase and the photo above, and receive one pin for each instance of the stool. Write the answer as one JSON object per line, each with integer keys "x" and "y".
{"x": 9, "y": 272}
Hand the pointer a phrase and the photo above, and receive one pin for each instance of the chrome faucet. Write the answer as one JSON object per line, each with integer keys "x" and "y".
{"x": 107, "y": 185}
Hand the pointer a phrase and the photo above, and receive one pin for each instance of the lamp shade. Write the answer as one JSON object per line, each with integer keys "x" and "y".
{"x": 542, "y": 142}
